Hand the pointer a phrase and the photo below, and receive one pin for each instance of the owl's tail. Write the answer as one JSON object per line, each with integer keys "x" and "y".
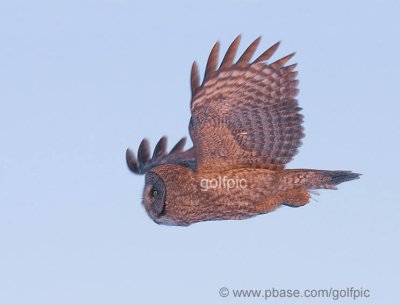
{"x": 320, "y": 179}
{"x": 300, "y": 183}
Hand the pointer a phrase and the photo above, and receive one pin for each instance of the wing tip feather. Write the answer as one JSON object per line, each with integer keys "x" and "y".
{"x": 194, "y": 78}
{"x": 212, "y": 62}
{"x": 142, "y": 163}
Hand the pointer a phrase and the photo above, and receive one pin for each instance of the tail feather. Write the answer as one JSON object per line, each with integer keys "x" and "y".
{"x": 320, "y": 179}
{"x": 337, "y": 177}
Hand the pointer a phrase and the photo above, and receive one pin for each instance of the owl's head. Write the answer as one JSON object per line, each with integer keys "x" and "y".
{"x": 165, "y": 193}
{"x": 154, "y": 196}
{"x": 165, "y": 173}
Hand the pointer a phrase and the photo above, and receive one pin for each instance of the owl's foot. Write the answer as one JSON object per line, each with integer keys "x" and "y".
{"x": 296, "y": 197}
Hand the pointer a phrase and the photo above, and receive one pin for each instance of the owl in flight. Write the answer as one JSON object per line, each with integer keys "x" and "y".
{"x": 245, "y": 127}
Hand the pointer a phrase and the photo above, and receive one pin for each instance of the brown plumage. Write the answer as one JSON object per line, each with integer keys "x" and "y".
{"x": 245, "y": 128}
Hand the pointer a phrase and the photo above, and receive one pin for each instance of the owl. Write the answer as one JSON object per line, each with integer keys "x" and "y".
{"x": 245, "y": 127}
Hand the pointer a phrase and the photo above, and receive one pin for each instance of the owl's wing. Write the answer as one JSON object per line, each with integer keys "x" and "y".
{"x": 245, "y": 114}
{"x": 143, "y": 163}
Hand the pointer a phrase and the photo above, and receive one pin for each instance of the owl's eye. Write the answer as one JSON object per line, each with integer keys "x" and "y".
{"x": 154, "y": 197}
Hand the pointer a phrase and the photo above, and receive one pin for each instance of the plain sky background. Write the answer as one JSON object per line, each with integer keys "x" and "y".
{"x": 80, "y": 81}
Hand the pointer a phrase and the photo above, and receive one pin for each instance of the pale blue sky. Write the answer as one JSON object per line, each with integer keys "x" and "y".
{"x": 83, "y": 80}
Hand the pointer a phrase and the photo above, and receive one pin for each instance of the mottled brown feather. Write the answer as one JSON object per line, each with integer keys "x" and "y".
{"x": 268, "y": 53}
{"x": 246, "y": 114}
{"x": 194, "y": 78}
{"x": 231, "y": 53}
{"x": 249, "y": 52}
{"x": 212, "y": 62}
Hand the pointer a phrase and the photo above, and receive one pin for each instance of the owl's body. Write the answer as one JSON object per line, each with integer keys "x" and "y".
{"x": 238, "y": 193}
{"x": 245, "y": 128}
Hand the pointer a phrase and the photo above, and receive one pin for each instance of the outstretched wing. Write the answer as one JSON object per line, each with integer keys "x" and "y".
{"x": 245, "y": 114}
{"x": 143, "y": 163}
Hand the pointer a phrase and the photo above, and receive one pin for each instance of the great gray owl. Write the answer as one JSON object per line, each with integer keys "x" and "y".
{"x": 245, "y": 128}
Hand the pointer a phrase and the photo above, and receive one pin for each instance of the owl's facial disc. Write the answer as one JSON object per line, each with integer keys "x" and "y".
{"x": 154, "y": 195}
